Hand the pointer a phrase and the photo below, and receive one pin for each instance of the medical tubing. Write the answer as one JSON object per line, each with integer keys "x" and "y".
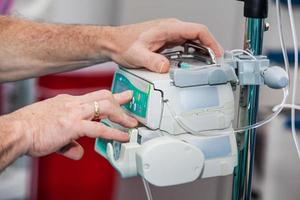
{"x": 295, "y": 45}
{"x": 269, "y": 118}
{"x": 284, "y": 53}
{"x": 243, "y": 51}
{"x": 281, "y": 39}
{"x": 147, "y": 189}
{"x": 241, "y": 129}
{"x": 296, "y": 107}
{"x": 187, "y": 129}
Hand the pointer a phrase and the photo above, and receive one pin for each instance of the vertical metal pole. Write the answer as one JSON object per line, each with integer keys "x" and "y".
{"x": 255, "y": 33}
{"x": 247, "y": 114}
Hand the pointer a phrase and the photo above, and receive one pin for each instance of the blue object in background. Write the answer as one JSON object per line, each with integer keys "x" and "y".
{"x": 288, "y": 123}
{"x": 276, "y": 56}
{"x": 294, "y": 2}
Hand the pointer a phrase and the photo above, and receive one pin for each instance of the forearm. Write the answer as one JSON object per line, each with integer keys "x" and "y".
{"x": 13, "y": 141}
{"x": 29, "y": 49}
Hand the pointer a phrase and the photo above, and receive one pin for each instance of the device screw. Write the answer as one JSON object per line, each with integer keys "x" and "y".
{"x": 147, "y": 166}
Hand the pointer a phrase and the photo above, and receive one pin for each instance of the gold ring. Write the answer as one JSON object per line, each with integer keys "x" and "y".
{"x": 97, "y": 111}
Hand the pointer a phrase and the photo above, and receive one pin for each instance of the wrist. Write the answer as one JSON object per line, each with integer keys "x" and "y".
{"x": 16, "y": 134}
{"x": 103, "y": 44}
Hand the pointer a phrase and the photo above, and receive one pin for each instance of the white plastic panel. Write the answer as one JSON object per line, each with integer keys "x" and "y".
{"x": 165, "y": 161}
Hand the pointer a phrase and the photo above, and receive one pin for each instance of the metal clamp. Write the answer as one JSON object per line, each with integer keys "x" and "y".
{"x": 192, "y": 50}
{"x": 256, "y": 71}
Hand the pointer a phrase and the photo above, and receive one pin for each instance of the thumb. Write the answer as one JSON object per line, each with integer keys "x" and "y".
{"x": 154, "y": 61}
{"x": 72, "y": 150}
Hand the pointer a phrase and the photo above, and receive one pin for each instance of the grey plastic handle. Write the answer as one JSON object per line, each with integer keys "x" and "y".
{"x": 275, "y": 77}
{"x": 202, "y": 76}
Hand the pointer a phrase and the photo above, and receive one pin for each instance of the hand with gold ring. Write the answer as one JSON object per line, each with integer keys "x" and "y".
{"x": 97, "y": 112}
{"x": 55, "y": 124}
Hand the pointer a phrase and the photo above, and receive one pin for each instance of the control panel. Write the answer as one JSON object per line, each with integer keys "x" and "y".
{"x": 139, "y": 102}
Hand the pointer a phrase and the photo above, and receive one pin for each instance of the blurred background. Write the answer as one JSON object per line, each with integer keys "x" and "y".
{"x": 277, "y": 169}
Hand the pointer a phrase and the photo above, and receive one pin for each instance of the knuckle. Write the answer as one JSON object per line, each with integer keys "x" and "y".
{"x": 107, "y": 105}
{"x": 164, "y": 24}
{"x": 203, "y": 28}
{"x": 72, "y": 110}
{"x": 173, "y": 20}
{"x": 107, "y": 94}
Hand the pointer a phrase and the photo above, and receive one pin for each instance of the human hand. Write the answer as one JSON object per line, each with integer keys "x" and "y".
{"x": 54, "y": 124}
{"x": 138, "y": 43}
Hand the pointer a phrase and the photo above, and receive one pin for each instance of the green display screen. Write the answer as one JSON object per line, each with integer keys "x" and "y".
{"x": 139, "y": 102}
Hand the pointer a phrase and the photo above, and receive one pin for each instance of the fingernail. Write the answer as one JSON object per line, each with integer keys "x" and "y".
{"x": 161, "y": 67}
{"x": 131, "y": 92}
{"x": 128, "y": 92}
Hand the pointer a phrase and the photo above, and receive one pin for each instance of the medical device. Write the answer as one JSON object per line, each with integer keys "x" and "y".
{"x": 186, "y": 116}
{"x": 250, "y": 70}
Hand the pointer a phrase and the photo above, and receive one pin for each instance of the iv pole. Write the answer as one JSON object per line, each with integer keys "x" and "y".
{"x": 255, "y": 12}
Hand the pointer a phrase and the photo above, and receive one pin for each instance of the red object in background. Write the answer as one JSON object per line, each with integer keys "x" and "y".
{"x": 61, "y": 178}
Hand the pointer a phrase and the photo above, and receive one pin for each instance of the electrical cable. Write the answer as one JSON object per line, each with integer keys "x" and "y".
{"x": 147, "y": 189}
{"x": 295, "y": 45}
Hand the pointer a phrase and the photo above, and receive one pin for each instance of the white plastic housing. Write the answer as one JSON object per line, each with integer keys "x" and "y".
{"x": 165, "y": 161}
{"x": 200, "y": 108}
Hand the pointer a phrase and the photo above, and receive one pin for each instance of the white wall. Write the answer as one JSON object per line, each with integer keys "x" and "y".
{"x": 80, "y": 12}
{"x": 223, "y": 17}
{"x": 66, "y": 11}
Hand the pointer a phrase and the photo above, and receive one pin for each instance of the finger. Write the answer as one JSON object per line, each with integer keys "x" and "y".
{"x": 116, "y": 114}
{"x": 108, "y": 110}
{"x": 195, "y": 32}
{"x": 208, "y": 40}
{"x": 152, "y": 61}
{"x": 72, "y": 150}
{"x": 123, "y": 97}
{"x": 96, "y": 96}
{"x": 99, "y": 130}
